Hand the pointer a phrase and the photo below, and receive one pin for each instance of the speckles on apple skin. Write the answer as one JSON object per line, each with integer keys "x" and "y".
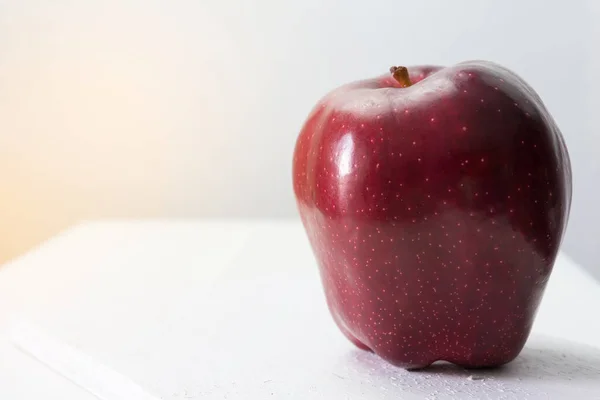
{"x": 439, "y": 230}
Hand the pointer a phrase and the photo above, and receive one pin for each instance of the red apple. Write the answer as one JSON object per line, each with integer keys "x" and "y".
{"x": 435, "y": 200}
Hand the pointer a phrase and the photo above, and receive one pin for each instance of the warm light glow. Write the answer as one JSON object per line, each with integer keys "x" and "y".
{"x": 103, "y": 110}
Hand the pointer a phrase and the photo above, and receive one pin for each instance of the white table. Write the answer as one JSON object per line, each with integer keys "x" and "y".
{"x": 214, "y": 310}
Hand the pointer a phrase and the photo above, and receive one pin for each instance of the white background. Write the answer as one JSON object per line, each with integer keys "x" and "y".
{"x": 146, "y": 108}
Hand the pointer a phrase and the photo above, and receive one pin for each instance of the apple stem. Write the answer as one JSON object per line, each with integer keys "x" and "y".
{"x": 401, "y": 75}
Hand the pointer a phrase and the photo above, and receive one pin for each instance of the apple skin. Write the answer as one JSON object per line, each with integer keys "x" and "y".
{"x": 435, "y": 211}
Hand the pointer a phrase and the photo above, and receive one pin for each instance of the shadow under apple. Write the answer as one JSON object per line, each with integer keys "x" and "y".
{"x": 546, "y": 367}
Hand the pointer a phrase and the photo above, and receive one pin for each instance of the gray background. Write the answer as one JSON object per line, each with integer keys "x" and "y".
{"x": 191, "y": 108}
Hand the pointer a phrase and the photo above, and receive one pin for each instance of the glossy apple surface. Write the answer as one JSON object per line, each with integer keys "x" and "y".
{"x": 435, "y": 211}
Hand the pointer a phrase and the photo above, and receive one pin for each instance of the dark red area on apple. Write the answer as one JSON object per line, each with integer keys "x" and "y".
{"x": 435, "y": 211}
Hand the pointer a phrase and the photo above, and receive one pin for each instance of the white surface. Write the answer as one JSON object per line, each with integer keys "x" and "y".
{"x": 216, "y": 90}
{"x": 235, "y": 310}
{"x": 78, "y": 367}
